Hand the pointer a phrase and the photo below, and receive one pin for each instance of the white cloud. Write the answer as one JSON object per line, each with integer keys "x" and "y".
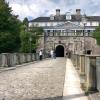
{"x": 36, "y": 8}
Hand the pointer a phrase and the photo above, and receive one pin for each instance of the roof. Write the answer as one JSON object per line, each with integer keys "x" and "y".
{"x": 93, "y": 18}
{"x": 63, "y": 18}
{"x": 47, "y": 19}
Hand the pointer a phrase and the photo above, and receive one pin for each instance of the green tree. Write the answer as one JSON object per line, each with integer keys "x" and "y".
{"x": 96, "y": 34}
{"x": 36, "y": 33}
{"x": 36, "y": 30}
{"x": 24, "y": 37}
{"x": 9, "y": 29}
{"x": 29, "y": 38}
{"x": 25, "y": 23}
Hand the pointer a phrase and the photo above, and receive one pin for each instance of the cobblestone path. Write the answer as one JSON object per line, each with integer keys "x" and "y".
{"x": 41, "y": 80}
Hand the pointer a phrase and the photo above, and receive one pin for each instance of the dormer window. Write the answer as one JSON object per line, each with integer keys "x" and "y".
{"x": 68, "y": 16}
{"x": 52, "y": 17}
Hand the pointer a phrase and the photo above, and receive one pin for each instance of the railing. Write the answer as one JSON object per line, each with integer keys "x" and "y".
{"x": 88, "y": 67}
{"x": 12, "y": 59}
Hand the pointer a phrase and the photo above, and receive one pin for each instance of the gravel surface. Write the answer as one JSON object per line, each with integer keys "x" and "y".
{"x": 39, "y": 81}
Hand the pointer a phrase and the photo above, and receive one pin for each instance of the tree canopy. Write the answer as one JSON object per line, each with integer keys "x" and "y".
{"x": 9, "y": 29}
{"x": 16, "y": 36}
{"x": 29, "y": 37}
{"x": 96, "y": 34}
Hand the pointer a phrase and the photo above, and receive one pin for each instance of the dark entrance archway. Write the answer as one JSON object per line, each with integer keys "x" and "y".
{"x": 59, "y": 51}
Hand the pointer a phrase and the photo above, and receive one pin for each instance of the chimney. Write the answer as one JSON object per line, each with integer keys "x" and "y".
{"x": 78, "y": 11}
{"x": 57, "y": 12}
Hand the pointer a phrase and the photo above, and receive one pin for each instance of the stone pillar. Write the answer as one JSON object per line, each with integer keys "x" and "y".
{"x": 87, "y": 70}
{"x": 0, "y": 60}
{"x": 36, "y": 56}
{"x": 25, "y": 57}
{"x": 9, "y": 57}
{"x": 98, "y": 72}
{"x": 91, "y": 72}
{"x": 12, "y": 62}
{"x": 82, "y": 64}
{"x": 78, "y": 62}
{"x": 24, "y": 60}
{"x": 28, "y": 57}
{"x": 33, "y": 57}
{"x": 4, "y": 60}
{"x": 18, "y": 57}
{"x": 15, "y": 59}
{"x": 22, "y": 56}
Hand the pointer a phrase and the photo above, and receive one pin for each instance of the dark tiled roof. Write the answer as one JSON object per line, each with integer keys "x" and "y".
{"x": 41, "y": 19}
{"x": 93, "y": 18}
{"x": 47, "y": 19}
{"x": 63, "y": 18}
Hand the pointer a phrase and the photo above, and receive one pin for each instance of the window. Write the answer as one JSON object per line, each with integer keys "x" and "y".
{"x": 88, "y": 31}
{"x": 68, "y": 16}
{"x": 48, "y": 34}
{"x": 36, "y": 24}
{"x": 90, "y": 23}
{"x": 45, "y": 24}
{"x": 78, "y": 32}
{"x": 51, "y": 24}
{"x": 52, "y": 17}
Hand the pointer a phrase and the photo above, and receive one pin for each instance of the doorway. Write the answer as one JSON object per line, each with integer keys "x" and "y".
{"x": 59, "y": 51}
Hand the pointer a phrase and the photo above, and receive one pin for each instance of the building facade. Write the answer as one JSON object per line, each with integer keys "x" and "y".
{"x": 66, "y": 32}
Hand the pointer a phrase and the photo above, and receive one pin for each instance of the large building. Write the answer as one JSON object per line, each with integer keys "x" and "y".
{"x": 64, "y": 32}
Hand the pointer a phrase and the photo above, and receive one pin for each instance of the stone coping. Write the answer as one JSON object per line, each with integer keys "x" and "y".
{"x": 92, "y": 55}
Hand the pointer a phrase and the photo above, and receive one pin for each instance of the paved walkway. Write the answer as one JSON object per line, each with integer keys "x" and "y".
{"x": 42, "y": 81}
{"x": 39, "y": 81}
{"x": 72, "y": 90}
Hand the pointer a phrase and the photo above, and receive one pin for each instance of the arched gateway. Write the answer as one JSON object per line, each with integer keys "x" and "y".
{"x": 59, "y": 51}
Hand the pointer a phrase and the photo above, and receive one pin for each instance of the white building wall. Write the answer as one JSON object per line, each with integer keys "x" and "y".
{"x": 30, "y": 24}
{"x": 54, "y": 23}
{"x": 45, "y": 23}
{"x": 88, "y": 23}
{"x": 42, "y": 24}
{"x": 35, "y": 24}
{"x": 93, "y": 23}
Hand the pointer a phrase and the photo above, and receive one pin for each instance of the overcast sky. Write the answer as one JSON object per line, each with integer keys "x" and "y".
{"x": 36, "y": 8}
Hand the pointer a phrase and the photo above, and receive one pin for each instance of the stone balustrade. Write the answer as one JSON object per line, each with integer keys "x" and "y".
{"x": 89, "y": 67}
{"x": 12, "y": 59}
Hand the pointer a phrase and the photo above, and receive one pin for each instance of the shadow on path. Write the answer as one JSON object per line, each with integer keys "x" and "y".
{"x": 70, "y": 97}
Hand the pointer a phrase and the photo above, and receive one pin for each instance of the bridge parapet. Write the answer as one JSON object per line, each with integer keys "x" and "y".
{"x": 88, "y": 67}
{"x": 12, "y": 59}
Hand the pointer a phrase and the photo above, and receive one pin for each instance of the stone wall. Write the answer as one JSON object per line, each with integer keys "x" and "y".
{"x": 92, "y": 44}
{"x": 12, "y": 59}
{"x": 75, "y": 44}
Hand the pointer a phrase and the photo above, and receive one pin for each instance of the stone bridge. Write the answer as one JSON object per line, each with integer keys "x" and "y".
{"x": 49, "y": 79}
